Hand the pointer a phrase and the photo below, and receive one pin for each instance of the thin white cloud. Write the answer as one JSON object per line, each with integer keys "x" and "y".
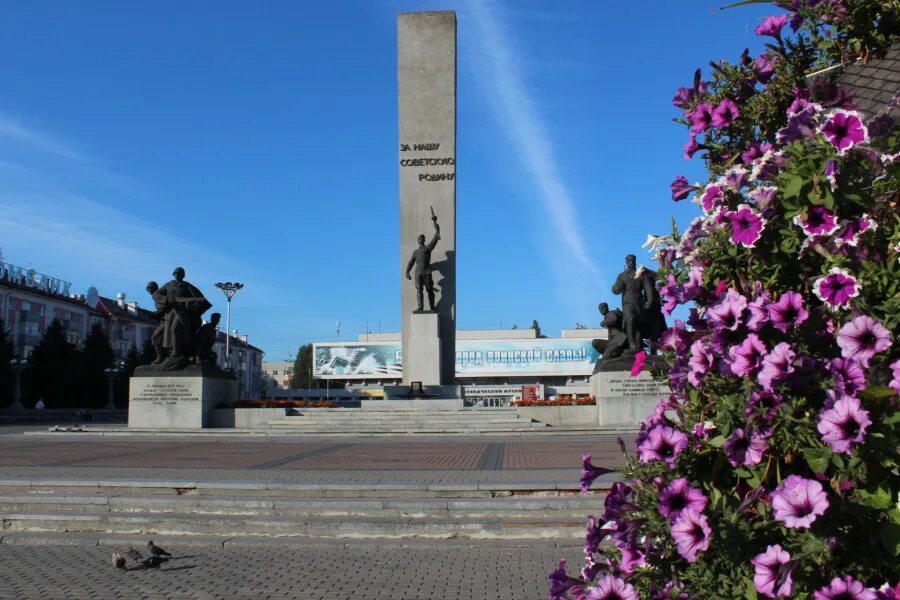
{"x": 15, "y": 130}
{"x": 500, "y": 76}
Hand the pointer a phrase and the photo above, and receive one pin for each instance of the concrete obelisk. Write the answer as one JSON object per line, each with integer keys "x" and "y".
{"x": 426, "y": 70}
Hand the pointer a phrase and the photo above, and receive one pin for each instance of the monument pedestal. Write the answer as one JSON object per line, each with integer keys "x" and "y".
{"x": 423, "y": 361}
{"x": 177, "y": 401}
{"x": 626, "y": 400}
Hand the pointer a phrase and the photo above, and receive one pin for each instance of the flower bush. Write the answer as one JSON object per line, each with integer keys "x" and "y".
{"x": 562, "y": 400}
{"x": 772, "y": 470}
{"x": 284, "y": 404}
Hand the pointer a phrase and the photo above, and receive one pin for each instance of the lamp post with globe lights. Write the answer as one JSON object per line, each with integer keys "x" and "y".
{"x": 111, "y": 375}
{"x": 18, "y": 365}
{"x": 230, "y": 289}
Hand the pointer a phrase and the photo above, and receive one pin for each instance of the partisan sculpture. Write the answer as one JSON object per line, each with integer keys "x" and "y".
{"x": 640, "y": 319}
{"x": 421, "y": 260}
{"x": 181, "y": 339}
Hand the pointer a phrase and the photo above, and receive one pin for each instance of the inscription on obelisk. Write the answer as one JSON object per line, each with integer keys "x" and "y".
{"x": 426, "y": 69}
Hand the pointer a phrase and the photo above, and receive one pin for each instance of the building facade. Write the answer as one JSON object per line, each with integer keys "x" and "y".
{"x": 278, "y": 374}
{"x": 493, "y": 366}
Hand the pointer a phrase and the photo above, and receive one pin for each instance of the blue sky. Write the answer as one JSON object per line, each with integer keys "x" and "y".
{"x": 258, "y": 142}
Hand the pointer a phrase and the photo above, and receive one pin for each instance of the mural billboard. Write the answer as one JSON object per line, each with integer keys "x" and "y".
{"x": 474, "y": 358}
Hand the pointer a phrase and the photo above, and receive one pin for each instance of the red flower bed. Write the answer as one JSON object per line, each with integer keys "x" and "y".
{"x": 559, "y": 401}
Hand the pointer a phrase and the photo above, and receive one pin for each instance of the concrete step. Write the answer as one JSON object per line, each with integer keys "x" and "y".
{"x": 510, "y": 507}
{"x": 126, "y": 432}
{"x": 296, "y": 526}
{"x": 402, "y": 427}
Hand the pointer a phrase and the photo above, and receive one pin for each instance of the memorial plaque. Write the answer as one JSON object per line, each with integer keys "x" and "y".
{"x": 426, "y": 74}
{"x": 621, "y": 384}
{"x": 177, "y": 402}
{"x": 624, "y": 400}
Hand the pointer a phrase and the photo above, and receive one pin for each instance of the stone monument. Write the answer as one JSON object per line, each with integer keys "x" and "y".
{"x": 623, "y": 398}
{"x": 183, "y": 383}
{"x": 426, "y": 69}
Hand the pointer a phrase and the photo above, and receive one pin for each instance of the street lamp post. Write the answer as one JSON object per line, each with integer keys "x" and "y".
{"x": 111, "y": 375}
{"x": 230, "y": 289}
{"x": 18, "y": 366}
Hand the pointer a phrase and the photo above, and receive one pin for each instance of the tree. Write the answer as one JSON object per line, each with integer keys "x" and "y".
{"x": 148, "y": 352}
{"x": 51, "y": 372}
{"x": 7, "y": 377}
{"x": 302, "y": 375}
{"x": 94, "y": 358}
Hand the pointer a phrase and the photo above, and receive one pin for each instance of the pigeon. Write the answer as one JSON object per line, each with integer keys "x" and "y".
{"x": 133, "y": 554}
{"x": 152, "y": 562}
{"x": 156, "y": 550}
{"x": 118, "y": 561}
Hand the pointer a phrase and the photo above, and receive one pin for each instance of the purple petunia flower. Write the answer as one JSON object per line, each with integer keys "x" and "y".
{"x": 610, "y": 587}
{"x": 596, "y": 533}
{"x": 845, "y": 588}
{"x": 849, "y": 378}
{"x": 746, "y": 226}
{"x": 844, "y": 129}
{"x": 844, "y": 425}
{"x": 837, "y": 288}
{"x": 862, "y": 338}
{"x": 662, "y": 443}
{"x": 678, "y": 496}
{"x": 589, "y": 472}
{"x": 763, "y": 404}
{"x": 701, "y": 117}
{"x": 691, "y": 533}
{"x": 561, "y": 583}
{"x": 712, "y": 198}
{"x": 681, "y": 188}
{"x": 747, "y": 356}
{"x": 682, "y": 96}
{"x": 756, "y": 150}
{"x": 776, "y": 366}
{"x": 832, "y": 172}
{"x": 744, "y": 450}
{"x": 818, "y": 221}
{"x": 798, "y": 501}
{"x": 728, "y": 313}
{"x": 764, "y": 196}
{"x": 853, "y": 229}
{"x": 618, "y": 502}
{"x": 691, "y": 147}
{"x": 773, "y": 572}
{"x": 763, "y": 68}
{"x": 759, "y": 312}
{"x": 725, "y": 113}
{"x": 772, "y": 26}
{"x": 800, "y": 126}
{"x": 788, "y": 312}
{"x": 700, "y": 362}
{"x": 895, "y": 372}
{"x": 734, "y": 179}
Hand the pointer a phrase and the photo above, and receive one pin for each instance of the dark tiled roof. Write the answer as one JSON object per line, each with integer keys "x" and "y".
{"x": 874, "y": 85}
{"x": 111, "y": 307}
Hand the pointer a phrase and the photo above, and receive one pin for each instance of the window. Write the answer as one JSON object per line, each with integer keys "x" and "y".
{"x": 26, "y": 306}
{"x": 31, "y": 328}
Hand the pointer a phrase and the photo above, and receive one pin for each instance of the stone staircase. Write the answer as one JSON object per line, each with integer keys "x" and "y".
{"x": 464, "y": 421}
{"x": 476, "y": 511}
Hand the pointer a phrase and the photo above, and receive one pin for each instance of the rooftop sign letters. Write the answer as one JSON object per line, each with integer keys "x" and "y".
{"x": 33, "y": 279}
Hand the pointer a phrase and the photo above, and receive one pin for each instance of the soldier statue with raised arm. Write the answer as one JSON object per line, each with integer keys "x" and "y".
{"x": 421, "y": 259}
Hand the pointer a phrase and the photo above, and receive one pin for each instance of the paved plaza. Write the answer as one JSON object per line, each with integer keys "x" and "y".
{"x": 77, "y": 565}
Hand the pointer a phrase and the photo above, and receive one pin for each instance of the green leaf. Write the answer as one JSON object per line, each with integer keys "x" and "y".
{"x": 879, "y": 497}
{"x": 817, "y": 458}
{"x": 717, "y": 442}
{"x": 744, "y": 3}
{"x": 792, "y": 187}
{"x": 889, "y": 536}
{"x": 750, "y": 590}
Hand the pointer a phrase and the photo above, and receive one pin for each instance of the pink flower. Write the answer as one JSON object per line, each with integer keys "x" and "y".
{"x": 691, "y": 533}
{"x": 610, "y": 587}
{"x": 772, "y": 26}
{"x": 773, "y": 572}
{"x": 818, "y": 221}
{"x": 895, "y": 372}
{"x": 639, "y": 359}
{"x": 862, "y": 338}
{"x": 776, "y": 366}
{"x": 844, "y": 129}
{"x": 744, "y": 450}
{"x": 662, "y": 443}
{"x": 681, "y": 188}
{"x": 844, "y": 425}
{"x": 712, "y": 198}
{"x": 764, "y": 196}
{"x": 678, "y": 496}
{"x": 844, "y": 588}
{"x": 788, "y": 312}
{"x": 701, "y": 117}
{"x": 798, "y": 501}
{"x": 746, "y": 226}
{"x": 725, "y": 113}
{"x": 747, "y": 356}
{"x": 837, "y": 288}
